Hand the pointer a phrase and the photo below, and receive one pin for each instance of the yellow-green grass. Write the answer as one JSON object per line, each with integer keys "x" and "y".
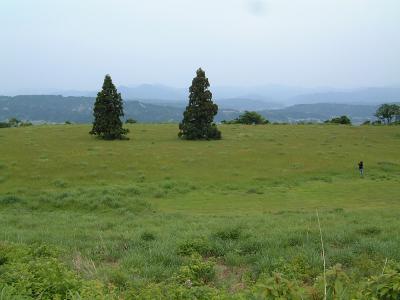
{"x": 250, "y": 199}
{"x": 256, "y": 168}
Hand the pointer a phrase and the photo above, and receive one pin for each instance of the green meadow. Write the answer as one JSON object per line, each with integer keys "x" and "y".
{"x": 157, "y": 217}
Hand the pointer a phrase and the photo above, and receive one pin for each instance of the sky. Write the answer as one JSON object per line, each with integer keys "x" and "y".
{"x": 72, "y": 44}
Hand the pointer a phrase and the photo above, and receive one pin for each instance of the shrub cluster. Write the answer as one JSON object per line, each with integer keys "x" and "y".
{"x": 37, "y": 272}
{"x": 248, "y": 118}
{"x": 130, "y": 121}
{"x": 339, "y": 120}
{"x": 13, "y": 122}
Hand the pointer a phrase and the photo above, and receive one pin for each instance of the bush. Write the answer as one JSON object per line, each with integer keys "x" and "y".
{"x": 297, "y": 267}
{"x": 248, "y": 118}
{"x": 276, "y": 287}
{"x": 337, "y": 284}
{"x": 340, "y": 120}
{"x": 377, "y": 122}
{"x": 36, "y": 272}
{"x": 196, "y": 272}
{"x": 13, "y": 122}
{"x": 130, "y": 121}
{"x": 25, "y": 124}
{"x": 147, "y": 236}
{"x": 196, "y": 246}
{"x": 228, "y": 234}
{"x": 10, "y": 199}
{"x": 385, "y": 286}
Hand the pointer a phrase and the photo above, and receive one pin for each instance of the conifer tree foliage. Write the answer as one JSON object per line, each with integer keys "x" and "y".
{"x": 198, "y": 117}
{"x": 107, "y": 111}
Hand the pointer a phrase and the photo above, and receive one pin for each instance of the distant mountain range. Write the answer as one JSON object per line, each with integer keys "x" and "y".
{"x": 160, "y": 103}
{"x": 375, "y": 95}
{"x": 58, "y": 109}
{"x": 267, "y": 93}
{"x": 243, "y": 98}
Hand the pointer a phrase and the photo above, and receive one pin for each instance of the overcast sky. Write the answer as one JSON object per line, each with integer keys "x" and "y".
{"x": 72, "y": 44}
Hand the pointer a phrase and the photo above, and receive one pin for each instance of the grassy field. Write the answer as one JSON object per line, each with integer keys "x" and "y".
{"x": 142, "y": 217}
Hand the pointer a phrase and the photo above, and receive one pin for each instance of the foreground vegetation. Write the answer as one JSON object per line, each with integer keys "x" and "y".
{"x": 157, "y": 217}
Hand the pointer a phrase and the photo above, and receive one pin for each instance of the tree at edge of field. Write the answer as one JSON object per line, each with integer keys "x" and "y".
{"x": 386, "y": 112}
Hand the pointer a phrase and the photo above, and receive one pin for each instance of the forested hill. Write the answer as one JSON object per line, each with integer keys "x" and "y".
{"x": 58, "y": 109}
{"x": 321, "y": 112}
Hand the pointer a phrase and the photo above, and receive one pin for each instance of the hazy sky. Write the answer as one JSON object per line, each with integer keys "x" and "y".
{"x": 72, "y": 44}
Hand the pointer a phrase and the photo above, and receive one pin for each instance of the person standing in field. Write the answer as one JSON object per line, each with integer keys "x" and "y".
{"x": 361, "y": 168}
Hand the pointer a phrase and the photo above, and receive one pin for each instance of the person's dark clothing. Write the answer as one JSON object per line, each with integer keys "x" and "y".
{"x": 361, "y": 167}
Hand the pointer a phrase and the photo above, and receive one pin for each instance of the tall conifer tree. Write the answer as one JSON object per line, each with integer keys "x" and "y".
{"x": 198, "y": 117}
{"x": 107, "y": 111}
